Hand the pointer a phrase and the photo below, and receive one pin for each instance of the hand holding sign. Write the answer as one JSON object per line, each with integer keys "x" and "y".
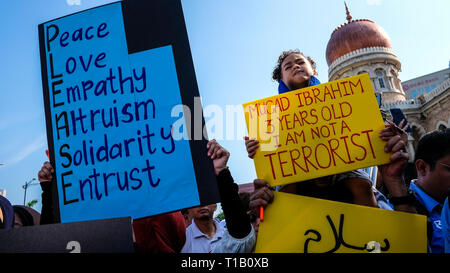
{"x": 392, "y": 173}
{"x": 251, "y": 144}
{"x": 46, "y": 173}
{"x": 395, "y": 145}
{"x": 261, "y": 196}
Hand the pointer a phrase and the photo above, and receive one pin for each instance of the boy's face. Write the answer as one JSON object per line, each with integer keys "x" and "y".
{"x": 296, "y": 71}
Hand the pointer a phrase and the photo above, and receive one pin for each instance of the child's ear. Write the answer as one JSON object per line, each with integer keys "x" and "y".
{"x": 422, "y": 167}
{"x": 315, "y": 73}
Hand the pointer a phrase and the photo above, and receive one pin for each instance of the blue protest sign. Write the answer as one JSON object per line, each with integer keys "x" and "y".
{"x": 109, "y": 91}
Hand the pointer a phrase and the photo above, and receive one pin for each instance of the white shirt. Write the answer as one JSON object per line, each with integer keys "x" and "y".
{"x": 198, "y": 242}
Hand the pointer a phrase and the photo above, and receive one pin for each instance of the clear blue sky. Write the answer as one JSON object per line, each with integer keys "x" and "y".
{"x": 234, "y": 44}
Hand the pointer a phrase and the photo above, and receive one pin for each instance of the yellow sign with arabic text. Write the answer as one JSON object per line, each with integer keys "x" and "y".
{"x": 299, "y": 224}
{"x": 317, "y": 131}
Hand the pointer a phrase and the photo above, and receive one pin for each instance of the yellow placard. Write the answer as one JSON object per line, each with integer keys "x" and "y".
{"x": 299, "y": 224}
{"x": 317, "y": 131}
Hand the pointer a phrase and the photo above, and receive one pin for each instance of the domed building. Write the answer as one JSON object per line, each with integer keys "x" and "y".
{"x": 361, "y": 46}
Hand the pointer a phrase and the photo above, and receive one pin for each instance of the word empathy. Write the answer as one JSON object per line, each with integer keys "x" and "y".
{"x": 317, "y": 131}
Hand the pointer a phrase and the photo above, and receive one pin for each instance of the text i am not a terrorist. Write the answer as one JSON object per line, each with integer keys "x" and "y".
{"x": 317, "y": 131}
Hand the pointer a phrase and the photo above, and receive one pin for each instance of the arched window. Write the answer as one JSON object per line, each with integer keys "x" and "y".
{"x": 380, "y": 77}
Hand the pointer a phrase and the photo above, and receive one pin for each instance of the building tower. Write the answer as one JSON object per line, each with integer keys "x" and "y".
{"x": 361, "y": 46}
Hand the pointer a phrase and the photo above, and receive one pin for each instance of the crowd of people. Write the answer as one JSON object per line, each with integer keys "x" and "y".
{"x": 195, "y": 230}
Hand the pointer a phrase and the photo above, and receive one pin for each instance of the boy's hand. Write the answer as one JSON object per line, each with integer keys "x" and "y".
{"x": 46, "y": 172}
{"x": 251, "y": 144}
{"x": 218, "y": 154}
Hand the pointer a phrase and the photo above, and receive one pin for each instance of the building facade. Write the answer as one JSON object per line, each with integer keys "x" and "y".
{"x": 425, "y": 84}
{"x": 361, "y": 46}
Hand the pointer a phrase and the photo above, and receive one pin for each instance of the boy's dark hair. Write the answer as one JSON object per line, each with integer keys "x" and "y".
{"x": 276, "y": 74}
{"x": 433, "y": 146}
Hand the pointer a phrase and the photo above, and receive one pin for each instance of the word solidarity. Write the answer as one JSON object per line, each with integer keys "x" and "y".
{"x": 317, "y": 131}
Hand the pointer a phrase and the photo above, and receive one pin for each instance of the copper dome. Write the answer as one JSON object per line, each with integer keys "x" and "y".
{"x": 355, "y": 34}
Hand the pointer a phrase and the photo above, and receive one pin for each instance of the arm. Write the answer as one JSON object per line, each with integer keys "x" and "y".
{"x": 362, "y": 192}
{"x": 392, "y": 172}
{"x": 238, "y": 222}
{"x": 45, "y": 176}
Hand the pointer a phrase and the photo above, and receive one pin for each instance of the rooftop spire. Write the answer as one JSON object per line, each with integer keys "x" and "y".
{"x": 349, "y": 17}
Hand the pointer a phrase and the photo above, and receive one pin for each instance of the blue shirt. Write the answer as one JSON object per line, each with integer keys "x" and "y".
{"x": 282, "y": 87}
{"x": 445, "y": 220}
{"x": 434, "y": 210}
{"x": 198, "y": 242}
{"x": 382, "y": 201}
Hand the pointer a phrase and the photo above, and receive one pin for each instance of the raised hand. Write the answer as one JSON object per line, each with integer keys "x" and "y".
{"x": 218, "y": 154}
{"x": 251, "y": 144}
{"x": 46, "y": 172}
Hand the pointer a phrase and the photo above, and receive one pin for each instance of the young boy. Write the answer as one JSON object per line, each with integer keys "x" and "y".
{"x": 293, "y": 71}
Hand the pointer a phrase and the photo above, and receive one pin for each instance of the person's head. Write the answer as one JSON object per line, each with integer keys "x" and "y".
{"x": 294, "y": 69}
{"x": 187, "y": 216}
{"x": 25, "y": 216}
{"x": 204, "y": 213}
{"x": 432, "y": 160}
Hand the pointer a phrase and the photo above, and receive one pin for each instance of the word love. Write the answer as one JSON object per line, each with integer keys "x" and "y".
{"x": 71, "y": 63}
